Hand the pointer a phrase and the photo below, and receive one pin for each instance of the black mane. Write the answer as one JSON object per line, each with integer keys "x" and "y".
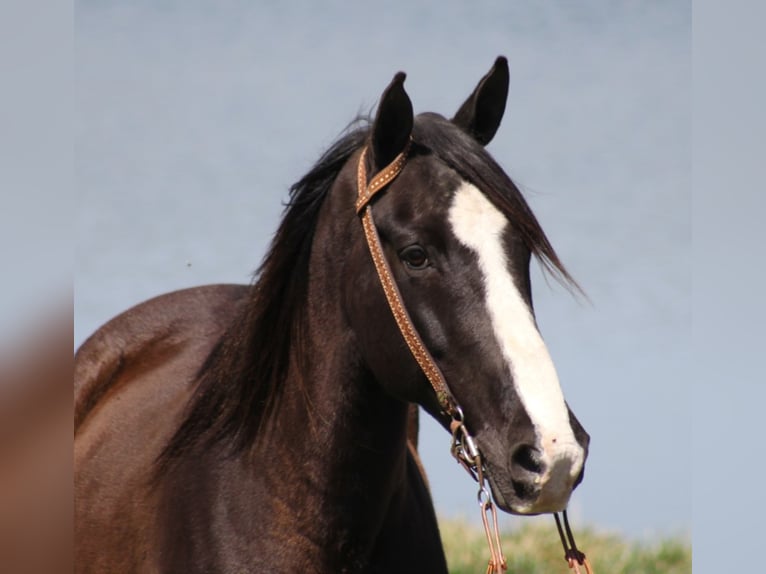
{"x": 241, "y": 380}
{"x": 242, "y": 377}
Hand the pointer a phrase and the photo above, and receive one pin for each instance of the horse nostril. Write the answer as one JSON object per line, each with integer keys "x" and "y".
{"x": 527, "y": 457}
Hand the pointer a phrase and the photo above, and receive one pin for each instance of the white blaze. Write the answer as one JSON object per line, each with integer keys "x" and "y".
{"x": 479, "y": 225}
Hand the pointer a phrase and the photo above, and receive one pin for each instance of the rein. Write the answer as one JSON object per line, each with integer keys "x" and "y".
{"x": 464, "y": 447}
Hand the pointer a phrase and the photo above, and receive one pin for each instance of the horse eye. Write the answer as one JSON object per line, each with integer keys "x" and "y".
{"x": 414, "y": 257}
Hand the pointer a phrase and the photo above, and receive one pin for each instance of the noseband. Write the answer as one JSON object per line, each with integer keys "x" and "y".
{"x": 464, "y": 447}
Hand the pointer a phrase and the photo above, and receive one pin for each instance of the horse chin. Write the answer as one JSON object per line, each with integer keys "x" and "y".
{"x": 525, "y": 500}
{"x": 506, "y": 499}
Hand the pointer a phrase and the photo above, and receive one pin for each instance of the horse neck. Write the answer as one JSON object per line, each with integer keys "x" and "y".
{"x": 339, "y": 431}
{"x": 325, "y": 477}
{"x": 336, "y": 417}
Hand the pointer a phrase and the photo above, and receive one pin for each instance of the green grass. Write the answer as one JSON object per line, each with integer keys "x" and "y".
{"x": 535, "y": 549}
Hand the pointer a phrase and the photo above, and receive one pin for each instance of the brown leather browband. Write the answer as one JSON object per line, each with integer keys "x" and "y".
{"x": 366, "y": 191}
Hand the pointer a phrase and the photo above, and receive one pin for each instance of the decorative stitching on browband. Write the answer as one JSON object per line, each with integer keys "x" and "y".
{"x": 368, "y": 190}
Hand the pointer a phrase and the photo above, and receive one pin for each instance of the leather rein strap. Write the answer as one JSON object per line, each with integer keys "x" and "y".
{"x": 464, "y": 447}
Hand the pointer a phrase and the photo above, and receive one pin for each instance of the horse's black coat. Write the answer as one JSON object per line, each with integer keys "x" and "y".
{"x": 293, "y": 450}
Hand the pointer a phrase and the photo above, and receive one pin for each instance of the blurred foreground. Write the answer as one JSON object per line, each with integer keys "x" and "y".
{"x": 535, "y": 549}
{"x": 36, "y": 448}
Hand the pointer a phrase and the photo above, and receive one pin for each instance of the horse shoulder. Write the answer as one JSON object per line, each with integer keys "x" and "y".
{"x": 132, "y": 381}
{"x": 149, "y": 331}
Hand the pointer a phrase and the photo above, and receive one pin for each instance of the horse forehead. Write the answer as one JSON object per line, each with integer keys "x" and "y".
{"x": 432, "y": 195}
{"x": 429, "y": 183}
{"x": 472, "y": 214}
{"x": 479, "y": 225}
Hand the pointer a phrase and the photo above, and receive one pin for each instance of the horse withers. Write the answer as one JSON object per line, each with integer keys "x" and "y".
{"x": 266, "y": 428}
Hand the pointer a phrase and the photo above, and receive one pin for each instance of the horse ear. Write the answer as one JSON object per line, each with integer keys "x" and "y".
{"x": 481, "y": 114}
{"x": 393, "y": 122}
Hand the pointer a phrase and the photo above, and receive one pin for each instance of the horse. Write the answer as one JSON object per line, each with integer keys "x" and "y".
{"x": 272, "y": 427}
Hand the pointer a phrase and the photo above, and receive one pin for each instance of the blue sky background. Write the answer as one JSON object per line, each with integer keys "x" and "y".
{"x": 193, "y": 118}
{"x": 177, "y": 106}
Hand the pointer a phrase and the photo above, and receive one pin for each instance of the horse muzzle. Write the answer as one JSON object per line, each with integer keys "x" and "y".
{"x": 536, "y": 480}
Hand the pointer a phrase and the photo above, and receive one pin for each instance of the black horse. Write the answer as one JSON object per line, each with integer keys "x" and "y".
{"x": 264, "y": 428}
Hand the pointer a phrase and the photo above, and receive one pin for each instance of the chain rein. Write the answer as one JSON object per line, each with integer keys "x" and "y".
{"x": 464, "y": 447}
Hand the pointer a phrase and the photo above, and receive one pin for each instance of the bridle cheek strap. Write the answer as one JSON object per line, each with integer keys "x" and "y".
{"x": 403, "y": 320}
{"x": 464, "y": 447}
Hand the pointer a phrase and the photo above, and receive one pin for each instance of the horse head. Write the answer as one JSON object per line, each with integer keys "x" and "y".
{"x": 458, "y": 237}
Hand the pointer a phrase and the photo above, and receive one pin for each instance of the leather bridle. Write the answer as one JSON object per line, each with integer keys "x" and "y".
{"x": 419, "y": 351}
{"x": 464, "y": 447}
